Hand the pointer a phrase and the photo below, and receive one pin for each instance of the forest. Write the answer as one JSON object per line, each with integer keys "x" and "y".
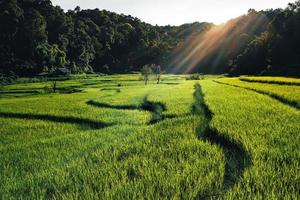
{"x": 37, "y": 37}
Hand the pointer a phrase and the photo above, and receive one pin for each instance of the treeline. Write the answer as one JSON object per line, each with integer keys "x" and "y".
{"x": 214, "y": 49}
{"x": 36, "y": 37}
{"x": 258, "y": 43}
{"x": 275, "y": 51}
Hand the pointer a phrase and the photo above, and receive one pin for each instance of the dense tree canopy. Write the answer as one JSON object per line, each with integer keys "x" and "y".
{"x": 276, "y": 50}
{"x": 36, "y": 37}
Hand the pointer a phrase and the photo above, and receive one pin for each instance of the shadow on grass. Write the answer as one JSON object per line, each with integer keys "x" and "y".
{"x": 105, "y": 105}
{"x": 13, "y": 93}
{"x": 60, "y": 119}
{"x": 111, "y": 89}
{"x": 171, "y": 83}
{"x": 94, "y": 83}
{"x": 32, "y": 92}
{"x": 237, "y": 159}
{"x": 69, "y": 90}
{"x": 156, "y": 109}
{"x": 19, "y": 92}
{"x": 99, "y": 82}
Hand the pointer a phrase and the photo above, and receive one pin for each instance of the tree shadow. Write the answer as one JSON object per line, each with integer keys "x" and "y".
{"x": 13, "y": 93}
{"x": 33, "y": 91}
{"x": 69, "y": 90}
{"x": 118, "y": 107}
{"x": 170, "y": 83}
{"x": 237, "y": 159}
{"x": 60, "y": 119}
{"x": 110, "y": 89}
{"x": 99, "y": 82}
{"x": 155, "y": 108}
{"x": 19, "y": 92}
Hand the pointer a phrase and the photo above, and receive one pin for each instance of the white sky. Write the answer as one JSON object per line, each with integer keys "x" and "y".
{"x": 176, "y": 12}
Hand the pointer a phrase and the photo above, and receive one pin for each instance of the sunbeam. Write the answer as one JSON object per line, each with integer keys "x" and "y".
{"x": 218, "y": 42}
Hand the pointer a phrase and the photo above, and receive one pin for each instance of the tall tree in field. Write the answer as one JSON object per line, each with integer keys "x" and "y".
{"x": 157, "y": 71}
{"x": 146, "y": 72}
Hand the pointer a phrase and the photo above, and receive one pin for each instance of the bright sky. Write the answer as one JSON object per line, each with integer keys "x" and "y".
{"x": 176, "y": 12}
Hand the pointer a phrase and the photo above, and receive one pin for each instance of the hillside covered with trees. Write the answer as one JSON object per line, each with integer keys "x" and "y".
{"x": 36, "y": 37}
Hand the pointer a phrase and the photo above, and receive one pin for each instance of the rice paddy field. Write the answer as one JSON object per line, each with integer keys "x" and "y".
{"x": 113, "y": 137}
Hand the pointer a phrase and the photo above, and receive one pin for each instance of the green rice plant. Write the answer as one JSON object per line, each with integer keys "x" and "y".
{"x": 287, "y": 94}
{"x": 210, "y": 142}
{"x": 65, "y": 148}
{"x": 269, "y": 131}
{"x": 271, "y": 80}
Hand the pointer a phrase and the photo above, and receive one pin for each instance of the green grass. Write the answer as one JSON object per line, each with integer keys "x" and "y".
{"x": 101, "y": 142}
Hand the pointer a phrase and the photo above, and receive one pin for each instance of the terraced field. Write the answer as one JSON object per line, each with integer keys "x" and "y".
{"x": 286, "y": 93}
{"x": 112, "y": 137}
{"x": 272, "y": 80}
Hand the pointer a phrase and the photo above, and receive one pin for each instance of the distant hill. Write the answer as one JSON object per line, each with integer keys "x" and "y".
{"x": 36, "y": 37}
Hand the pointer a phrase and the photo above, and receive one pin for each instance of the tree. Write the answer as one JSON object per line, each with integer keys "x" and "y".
{"x": 50, "y": 57}
{"x": 157, "y": 71}
{"x": 89, "y": 38}
{"x": 54, "y": 86}
{"x": 37, "y": 36}
{"x": 146, "y": 72}
{"x": 11, "y": 16}
{"x": 275, "y": 51}
{"x": 81, "y": 49}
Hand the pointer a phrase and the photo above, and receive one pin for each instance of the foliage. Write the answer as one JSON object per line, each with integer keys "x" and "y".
{"x": 34, "y": 32}
{"x": 50, "y": 57}
{"x": 37, "y": 36}
{"x": 276, "y": 51}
